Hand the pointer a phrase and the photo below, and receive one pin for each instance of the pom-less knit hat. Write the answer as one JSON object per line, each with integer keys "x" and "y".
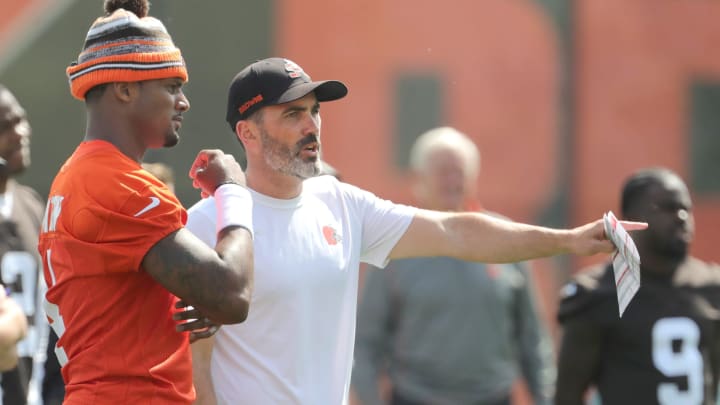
{"x": 125, "y": 46}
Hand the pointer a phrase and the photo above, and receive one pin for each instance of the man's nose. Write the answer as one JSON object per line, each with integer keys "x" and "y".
{"x": 22, "y": 130}
{"x": 183, "y": 103}
{"x": 683, "y": 215}
{"x": 312, "y": 124}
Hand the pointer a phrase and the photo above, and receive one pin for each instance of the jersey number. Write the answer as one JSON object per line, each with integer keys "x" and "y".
{"x": 52, "y": 213}
{"x": 685, "y": 362}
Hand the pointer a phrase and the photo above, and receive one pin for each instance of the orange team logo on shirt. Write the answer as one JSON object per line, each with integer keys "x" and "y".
{"x": 331, "y": 235}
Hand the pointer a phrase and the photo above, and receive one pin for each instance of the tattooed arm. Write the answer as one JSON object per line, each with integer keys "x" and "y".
{"x": 217, "y": 282}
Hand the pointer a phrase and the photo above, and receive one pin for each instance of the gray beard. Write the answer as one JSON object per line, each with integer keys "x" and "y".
{"x": 286, "y": 161}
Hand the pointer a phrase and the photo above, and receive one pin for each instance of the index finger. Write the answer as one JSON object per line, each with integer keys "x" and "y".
{"x": 633, "y": 226}
{"x": 200, "y": 161}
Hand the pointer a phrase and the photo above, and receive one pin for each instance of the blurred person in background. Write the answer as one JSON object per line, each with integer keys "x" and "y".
{"x": 163, "y": 172}
{"x": 21, "y": 211}
{"x": 665, "y": 347}
{"x": 444, "y": 330}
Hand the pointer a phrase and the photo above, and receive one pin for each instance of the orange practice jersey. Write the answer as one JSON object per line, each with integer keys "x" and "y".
{"x": 118, "y": 343}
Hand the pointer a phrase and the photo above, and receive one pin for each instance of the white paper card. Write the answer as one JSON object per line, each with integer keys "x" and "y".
{"x": 626, "y": 261}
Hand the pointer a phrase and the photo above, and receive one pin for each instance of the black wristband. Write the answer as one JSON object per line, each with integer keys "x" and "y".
{"x": 224, "y": 183}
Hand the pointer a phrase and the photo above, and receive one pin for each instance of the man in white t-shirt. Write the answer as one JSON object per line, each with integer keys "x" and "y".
{"x": 311, "y": 233}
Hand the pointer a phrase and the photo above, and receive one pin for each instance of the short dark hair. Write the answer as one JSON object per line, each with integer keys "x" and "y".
{"x": 637, "y": 185}
{"x": 95, "y": 93}
{"x": 256, "y": 116}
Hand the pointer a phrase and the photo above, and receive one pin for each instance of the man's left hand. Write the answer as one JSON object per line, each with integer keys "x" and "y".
{"x": 192, "y": 320}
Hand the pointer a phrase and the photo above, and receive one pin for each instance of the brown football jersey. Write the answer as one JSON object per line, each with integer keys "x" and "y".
{"x": 664, "y": 349}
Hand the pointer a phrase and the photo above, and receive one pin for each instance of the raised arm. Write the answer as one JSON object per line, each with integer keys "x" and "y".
{"x": 480, "y": 237}
{"x": 217, "y": 282}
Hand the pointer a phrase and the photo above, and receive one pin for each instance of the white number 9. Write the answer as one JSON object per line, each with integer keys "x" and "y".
{"x": 687, "y": 361}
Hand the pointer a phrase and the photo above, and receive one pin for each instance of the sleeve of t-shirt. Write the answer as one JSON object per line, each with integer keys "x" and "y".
{"x": 201, "y": 221}
{"x": 119, "y": 224}
{"x": 383, "y": 223}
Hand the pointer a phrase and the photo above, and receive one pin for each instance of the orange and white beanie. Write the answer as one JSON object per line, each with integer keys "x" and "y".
{"x": 125, "y": 45}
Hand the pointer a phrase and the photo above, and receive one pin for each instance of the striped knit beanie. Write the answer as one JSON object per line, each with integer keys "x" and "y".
{"x": 125, "y": 45}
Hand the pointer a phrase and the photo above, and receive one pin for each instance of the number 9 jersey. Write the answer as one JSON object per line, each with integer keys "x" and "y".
{"x": 664, "y": 349}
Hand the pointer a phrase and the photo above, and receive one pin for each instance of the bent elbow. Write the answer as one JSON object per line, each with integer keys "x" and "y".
{"x": 240, "y": 314}
{"x": 237, "y": 308}
{"x": 236, "y": 305}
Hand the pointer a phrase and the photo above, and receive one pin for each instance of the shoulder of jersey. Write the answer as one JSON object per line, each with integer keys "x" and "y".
{"x": 587, "y": 287}
{"x": 31, "y": 193}
{"x": 31, "y": 199}
{"x": 696, "y": 273}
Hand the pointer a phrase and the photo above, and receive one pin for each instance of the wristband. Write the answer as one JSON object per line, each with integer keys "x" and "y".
{"x": 234, "y": 205}
{"x": 223, "y": 183}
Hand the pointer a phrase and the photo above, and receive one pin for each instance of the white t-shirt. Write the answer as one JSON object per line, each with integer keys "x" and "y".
{"x": 296, "y": 345}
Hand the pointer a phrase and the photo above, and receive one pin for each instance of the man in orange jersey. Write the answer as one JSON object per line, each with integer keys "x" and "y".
{"x": 114, "y": 247}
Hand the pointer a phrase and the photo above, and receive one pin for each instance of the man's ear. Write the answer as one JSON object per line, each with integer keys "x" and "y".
{"x": 245, "y": 132}
{"x": 125, "y": 91}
